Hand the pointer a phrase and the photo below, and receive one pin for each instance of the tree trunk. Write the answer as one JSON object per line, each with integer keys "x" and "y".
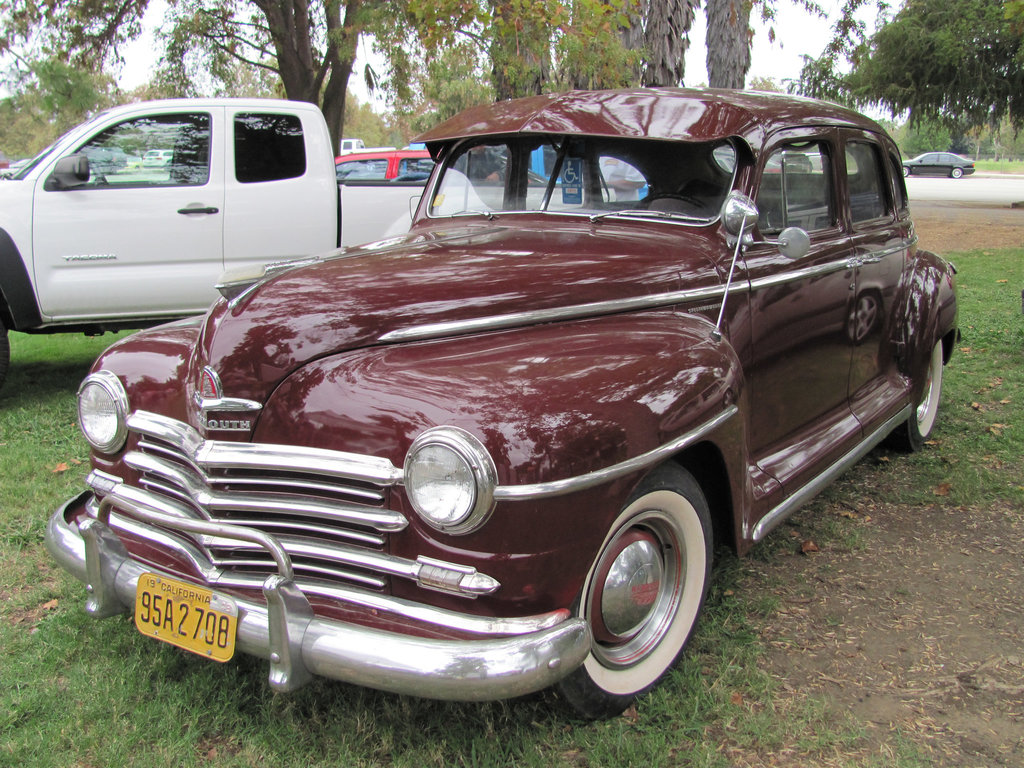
{"x": 728, "y": 42}
{"x": 667, "y": 36}
{"x": 325, "y": 82}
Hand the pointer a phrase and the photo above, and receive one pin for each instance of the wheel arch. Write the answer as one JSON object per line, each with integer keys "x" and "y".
{"x": 708, "y": 466}
{"x": 18, "y": 307}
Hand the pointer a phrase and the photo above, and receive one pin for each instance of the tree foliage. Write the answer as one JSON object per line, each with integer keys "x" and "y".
{"x": 955, "y": 62}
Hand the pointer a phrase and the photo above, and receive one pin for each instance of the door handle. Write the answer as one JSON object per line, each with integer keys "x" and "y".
{"x": 190, "y": 211}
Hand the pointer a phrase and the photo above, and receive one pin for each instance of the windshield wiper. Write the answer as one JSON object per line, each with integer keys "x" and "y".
{"x": 489, "y": 215}
{"x": 643, "y": 213}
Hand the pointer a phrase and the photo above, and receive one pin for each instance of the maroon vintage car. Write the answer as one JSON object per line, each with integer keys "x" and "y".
{"x": 493, "y": 454}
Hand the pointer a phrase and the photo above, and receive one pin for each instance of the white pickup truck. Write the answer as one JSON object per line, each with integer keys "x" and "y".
{"x": 129, "y": 219}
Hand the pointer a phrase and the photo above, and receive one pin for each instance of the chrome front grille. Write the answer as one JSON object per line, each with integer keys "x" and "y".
{"x": 326, "y": 508}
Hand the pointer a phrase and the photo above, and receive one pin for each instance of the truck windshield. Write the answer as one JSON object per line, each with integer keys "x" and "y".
{"x": 592, "y": 176}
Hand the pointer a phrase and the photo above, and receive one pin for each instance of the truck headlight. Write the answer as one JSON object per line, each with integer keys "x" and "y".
{"x": 103, "y": 411}
{"x": 450, "y": 479}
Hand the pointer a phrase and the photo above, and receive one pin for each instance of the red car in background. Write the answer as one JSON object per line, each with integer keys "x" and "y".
{"x": 384, "y": 164}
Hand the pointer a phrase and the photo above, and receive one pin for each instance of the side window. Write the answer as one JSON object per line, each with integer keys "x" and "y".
{"x": 796, "y": 190}
{"x": 152, "y": 151}
{"x": 369, "y": 169}
{"x": 414, "y": 168}
{"x": 866, "y": 180}
{"x": 268, "y": 147}
{"x": 896, "y": 169}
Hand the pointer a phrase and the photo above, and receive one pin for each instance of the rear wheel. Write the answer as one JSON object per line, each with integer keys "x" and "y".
{"x": 906, "y": 171}
{"x": 5, "y": 352}
{"x": 643, "y": 594}
{"x": 913, "y": 433}
{"x": 956, "y": 173}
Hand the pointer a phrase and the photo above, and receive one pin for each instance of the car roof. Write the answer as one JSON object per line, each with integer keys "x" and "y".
{"x": 699, "y": 114}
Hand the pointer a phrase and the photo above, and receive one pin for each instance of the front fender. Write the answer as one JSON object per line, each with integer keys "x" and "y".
{"x": 549, "y": 402}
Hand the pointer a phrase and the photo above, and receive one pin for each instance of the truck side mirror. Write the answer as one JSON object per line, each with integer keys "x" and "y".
{"x": 69, "y": 172}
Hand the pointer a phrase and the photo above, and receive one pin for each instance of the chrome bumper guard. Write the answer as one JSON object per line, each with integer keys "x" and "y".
{"x": 300, "y": 645}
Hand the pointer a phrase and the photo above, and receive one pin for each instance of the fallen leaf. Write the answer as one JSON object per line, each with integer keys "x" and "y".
{"x": 50, "y": 605}
{"x": 736, "y": 699}
{"x": 849, "y": 515}
{"x": 976, "y": 406}
{"x": 62, "y": 467}
{"x": 943, "y": 489}
{"x": 631, "y": 715}
{"x": 808, "y": 547}
{"x": 1005, "y": 401}
{"x": 1002, "y": 281}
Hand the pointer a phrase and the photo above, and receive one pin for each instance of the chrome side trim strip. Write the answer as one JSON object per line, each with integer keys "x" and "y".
{"x": 601, "y": 476}
{"x": 822, "y": 481}
{"x": 556, "y": 314}
{"x": 800, "y": 274}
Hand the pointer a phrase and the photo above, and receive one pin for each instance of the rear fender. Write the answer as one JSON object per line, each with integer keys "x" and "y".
{"x": 930, "y": 313}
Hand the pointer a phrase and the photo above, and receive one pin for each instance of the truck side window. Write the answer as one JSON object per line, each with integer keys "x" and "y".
{"x": 796, "y": 190}
{"x": 268, "y": 147}
{"x": 154, "y": 151}
{"x": 864, "y": 175}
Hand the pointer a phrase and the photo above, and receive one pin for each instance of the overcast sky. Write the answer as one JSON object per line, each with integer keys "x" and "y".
{"x": 796, "y": 34}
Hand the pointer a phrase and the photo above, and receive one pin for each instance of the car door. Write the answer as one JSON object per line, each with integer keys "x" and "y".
{"x": 879, "y": 224}
{"x": 283, "y": 202}
{"x": 138, "y": 239}
{"x": 800, "y": 355}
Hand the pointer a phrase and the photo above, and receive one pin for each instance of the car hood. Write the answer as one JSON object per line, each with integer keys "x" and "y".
{"x": 447, "y": 282}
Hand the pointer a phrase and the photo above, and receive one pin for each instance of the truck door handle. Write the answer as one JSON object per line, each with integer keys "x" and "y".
{"x": 190, "y": 211}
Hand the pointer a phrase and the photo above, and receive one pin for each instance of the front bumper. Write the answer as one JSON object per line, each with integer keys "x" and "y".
{"x": 300, "y": 645}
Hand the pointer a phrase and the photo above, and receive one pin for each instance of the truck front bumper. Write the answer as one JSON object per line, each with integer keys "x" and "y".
{"x": 300, "y": 645}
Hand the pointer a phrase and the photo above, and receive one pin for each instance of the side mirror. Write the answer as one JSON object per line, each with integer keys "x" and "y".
{"x": 738, "y": 213}
{"x": 794, "y": 243}
{"x": 69, "y": 172}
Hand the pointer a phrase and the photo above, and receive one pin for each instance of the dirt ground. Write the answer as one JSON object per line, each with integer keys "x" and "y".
{"x": 918, "y": 635}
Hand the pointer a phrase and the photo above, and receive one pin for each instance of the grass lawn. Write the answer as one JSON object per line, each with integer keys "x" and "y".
{"x": 80, "y": 692}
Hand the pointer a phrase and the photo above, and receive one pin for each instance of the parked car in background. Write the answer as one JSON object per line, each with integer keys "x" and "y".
{"x": 157, "y": 158}
{"x": 939, "y": 164}
{"x": 350, "y": 145}
{"x": 384, "y": 163}
{"x": 495, "y": 453}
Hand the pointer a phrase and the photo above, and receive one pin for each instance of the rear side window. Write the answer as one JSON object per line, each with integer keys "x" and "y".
{"x": 268, "y": 147}
{"x": 865, "y": 176}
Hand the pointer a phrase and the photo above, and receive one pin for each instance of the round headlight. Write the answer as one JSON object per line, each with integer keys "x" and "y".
{"x": 103, "y": 411}
{"x": 450, "y": 479}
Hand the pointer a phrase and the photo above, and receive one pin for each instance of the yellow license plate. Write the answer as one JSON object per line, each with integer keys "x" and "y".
{"x": 190, "y": 617}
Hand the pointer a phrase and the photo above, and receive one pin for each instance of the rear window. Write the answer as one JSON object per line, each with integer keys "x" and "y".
{"x": 268, "y": 147}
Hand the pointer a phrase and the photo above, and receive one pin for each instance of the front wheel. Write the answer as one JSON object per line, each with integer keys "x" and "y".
{"x": 643, "y": 594}
{"x": 906, "y": 171}
{"x": 956, "y": 173}
{"x": 913, "y": 433}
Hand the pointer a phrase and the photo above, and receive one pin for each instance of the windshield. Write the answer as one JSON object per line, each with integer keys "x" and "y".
{"x": 593, "y": 176}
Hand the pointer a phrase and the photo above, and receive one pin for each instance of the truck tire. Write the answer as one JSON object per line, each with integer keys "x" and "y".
{"x": 5, "y": 352}
{"x": 640, "y": 626}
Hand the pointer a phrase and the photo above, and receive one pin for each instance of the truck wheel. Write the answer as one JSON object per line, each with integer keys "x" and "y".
{"x": 5, "y": 352}
{"x": 912, "y": 434}
{"x": 643, "y": 593}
